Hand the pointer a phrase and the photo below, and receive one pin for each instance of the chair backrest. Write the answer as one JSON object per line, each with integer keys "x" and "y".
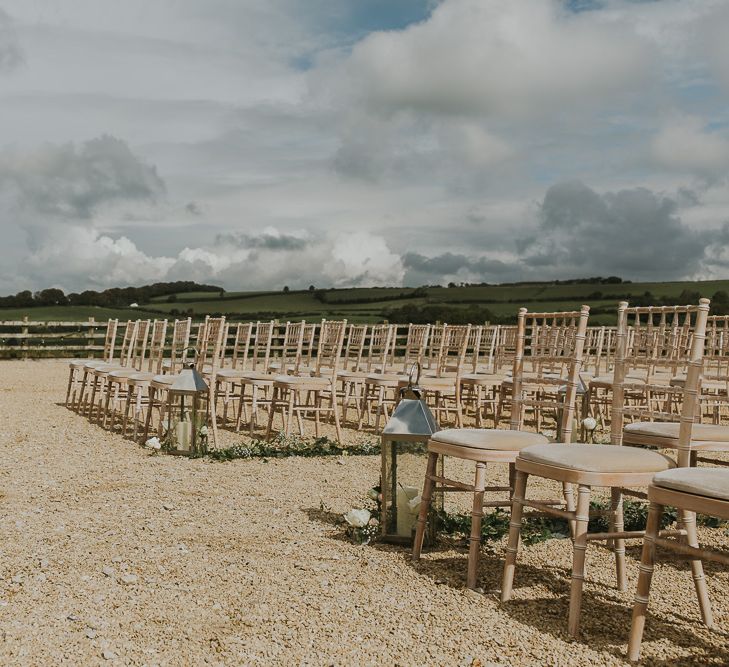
{"x": 262, "y": 346}
{"x": 157, "y": 346}
{"x": 307, "y": 343}
{"x": 211, "y": 344}
{"x": 331, "y": 340}
{"x": 453, "y": 345}
{"x": 378, "y": 350}
{"x": 242, "y": 344}
{"x": 129, "y": 337}
{"x": 355, "y": 346}
{"x": 110, "y": 340}
{"x": 140, "y": 344}
{"x": 292, "y": 347}
{"x": 716, "y": 358}
{"x": 505, "y": 347}
{"x": 434, "y": 346}
{"x": 417, "y": 343}
{"x": 552, "y": 346}
{"x": 674, "y": 343}
{"x": 473, "y": 349}
{"x": 180, "y": 342}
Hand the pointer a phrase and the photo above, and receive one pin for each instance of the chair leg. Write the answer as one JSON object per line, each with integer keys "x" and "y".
{"x": 645, "y": 574}
{"x": 71, "y": 378}
{"x": 579, "y": 550}
{"x": 335, "y": 410}
{"x": 687, "y": 520}
{"x": 616, "y": 505}
{"x": 425, "y": 501}
{"x": 512, "y": 547}
{"x": 476, "y": 516}
{"x": 271, "y": 410}
{"x": 148, "y": 420}
{"x": 568, "y": 492}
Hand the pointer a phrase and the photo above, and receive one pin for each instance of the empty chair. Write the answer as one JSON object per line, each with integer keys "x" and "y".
{"x": 689, "y": 490}
{"x": 298, "y": 396}
{"x": 497, "y": 446}
{"x": 615, "y": 466}
{"x": 76, "y": 366}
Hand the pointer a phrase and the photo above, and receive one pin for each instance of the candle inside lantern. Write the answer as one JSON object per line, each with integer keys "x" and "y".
{"x": 183, "y": 433}
{"x": 408, "y": 504}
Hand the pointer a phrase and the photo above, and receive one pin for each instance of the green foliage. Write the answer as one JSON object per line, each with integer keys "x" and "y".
{"x": 283, "y": 447}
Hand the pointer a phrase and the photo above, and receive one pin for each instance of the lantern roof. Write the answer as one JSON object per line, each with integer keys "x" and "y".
{"x": 189, "y": 381}
{"x": 411, "y": 418}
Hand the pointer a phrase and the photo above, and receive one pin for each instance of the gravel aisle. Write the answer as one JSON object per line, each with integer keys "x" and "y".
{"x": 112, "y": 556}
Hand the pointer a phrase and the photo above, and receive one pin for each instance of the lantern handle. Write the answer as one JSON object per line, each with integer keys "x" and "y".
{"x": 194, "y": 349}
{"x": 416, "y": 364}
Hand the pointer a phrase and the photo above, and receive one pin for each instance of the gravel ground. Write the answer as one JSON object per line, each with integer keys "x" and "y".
{"x": 112, "y": 556}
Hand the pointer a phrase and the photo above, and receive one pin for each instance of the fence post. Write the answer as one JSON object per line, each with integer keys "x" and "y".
{"x": 24, "y": 332}
{"x": 90, "y": 340}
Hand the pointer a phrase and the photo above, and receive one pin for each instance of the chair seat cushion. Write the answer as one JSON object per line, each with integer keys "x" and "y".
{"x": 598, "y": 458}
{"x": 297, "y": 380}
{"x": 710, "y": 482}
{"x": 164, "y": 379}
{"x": 226, "y": 373}
{"x": 665, "y": 434}
{"x": 494, "y": 439}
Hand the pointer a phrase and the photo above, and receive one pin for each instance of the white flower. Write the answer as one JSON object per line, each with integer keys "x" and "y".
{"x": 357, "y": 518}
{"x": 414, "y": 505}
{"x": 203, "y": 430}
{"x": 590, "y": 423}
{"x": 153, "y": 443}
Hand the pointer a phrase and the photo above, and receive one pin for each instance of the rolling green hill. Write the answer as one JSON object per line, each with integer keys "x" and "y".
{"x": 474, "y": 302}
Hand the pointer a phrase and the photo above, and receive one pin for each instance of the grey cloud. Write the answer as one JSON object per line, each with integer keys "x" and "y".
{"x": 66, "y": 182}
{"x": 263, "y": 241}
{"x": 11, "y": 55}
{"x": 193, "y": 208}
{"x": 636, "y": 234}
{"x": 420, "y": 270}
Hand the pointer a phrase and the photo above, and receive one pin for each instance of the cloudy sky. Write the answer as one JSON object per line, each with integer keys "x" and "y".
{"x": 256, "y": 144}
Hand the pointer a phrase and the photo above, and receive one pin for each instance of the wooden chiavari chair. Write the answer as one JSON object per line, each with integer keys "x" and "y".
{"x": 139, "y": 383}
{"x": 690, "y": 491}
{"x": 228, "y": 379}
{"x": 76, "y": 366}
{"x": 492, "y": 446}
{"x": 380, "y": 388}
{"x": 95, "y": 372}
{"x": 351, "y": 375}
{"x": 258, "y": 378}
{"x": 302, "y": 395}
{"x": 617, "y": 467}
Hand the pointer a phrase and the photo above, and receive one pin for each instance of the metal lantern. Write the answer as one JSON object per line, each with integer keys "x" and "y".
{"x": 404, "y": 459}
{"x": 187, "y": 413}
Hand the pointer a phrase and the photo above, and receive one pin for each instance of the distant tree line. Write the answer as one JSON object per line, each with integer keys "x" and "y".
{"x": 115, "y": 297}
{"x": 430, "y": 313}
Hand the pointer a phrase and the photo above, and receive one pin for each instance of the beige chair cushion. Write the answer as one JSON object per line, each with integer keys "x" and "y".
{"x": 598, "y": 458}
{"x": 665, "y": 434}
{"x": 710, "y": 482}
{"x": 699, "y": 432}
{"x": 494, "y": 439}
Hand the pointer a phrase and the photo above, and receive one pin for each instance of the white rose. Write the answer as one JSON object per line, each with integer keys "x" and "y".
{"x": 590, "y": 423}
{"x": 357, "y": 518}
{"x": 153, "y": 443}
{"x": 203, "y": 430}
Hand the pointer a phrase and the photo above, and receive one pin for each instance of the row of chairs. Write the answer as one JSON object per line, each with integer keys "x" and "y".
{"x": 467, "y": 370}
{"x": 655, "y": 406}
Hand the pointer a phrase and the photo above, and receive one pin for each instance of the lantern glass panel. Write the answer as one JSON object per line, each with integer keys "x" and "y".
{"x": 403, "y": 472}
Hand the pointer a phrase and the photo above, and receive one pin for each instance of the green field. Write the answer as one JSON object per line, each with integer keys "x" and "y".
{"x": 374, "y": 304}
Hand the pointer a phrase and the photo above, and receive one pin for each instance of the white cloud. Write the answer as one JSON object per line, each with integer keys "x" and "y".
{"x": 683, "y": 144}
{"x": 495, "y": 58}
